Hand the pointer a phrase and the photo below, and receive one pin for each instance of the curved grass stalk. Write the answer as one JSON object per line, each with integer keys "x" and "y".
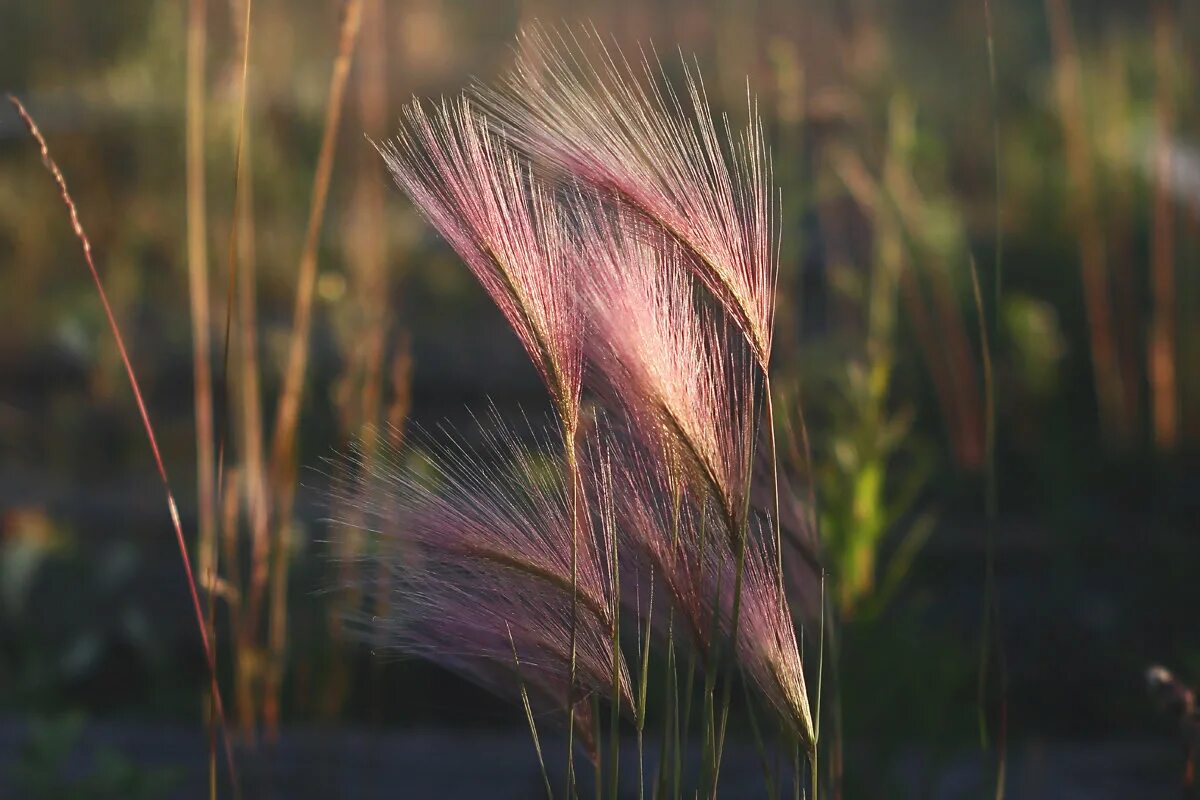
{"x": 134, "y": 386}
{"x": 537, "y": 742}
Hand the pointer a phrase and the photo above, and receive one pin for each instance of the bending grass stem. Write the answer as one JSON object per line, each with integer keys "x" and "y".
{"x": 641, "y": 702}
{"x": 537, "y": 743}
{"x": 739, "y": 570}
{"x": 135, "y": 387}
{"x": 615, "y": 747}
{"x": 573, "y": 476}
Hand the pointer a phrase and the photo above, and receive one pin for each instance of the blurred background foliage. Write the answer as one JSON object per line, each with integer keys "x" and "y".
{"x": 882, "y": 121}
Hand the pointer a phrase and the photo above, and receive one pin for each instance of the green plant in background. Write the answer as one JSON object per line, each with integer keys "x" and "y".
{"x": 871, "y": 479}
{"x": 45, "y": 773}
{"x": 1036, "y": 346}
{"x": 872, "y": 465}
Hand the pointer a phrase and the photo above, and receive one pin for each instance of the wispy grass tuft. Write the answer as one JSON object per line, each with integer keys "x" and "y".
{"x": 629, "y": 240}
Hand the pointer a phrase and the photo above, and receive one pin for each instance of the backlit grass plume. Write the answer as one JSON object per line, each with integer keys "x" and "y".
{"x": 685, "y": 548}
{"x": 583, "y": 108}
{"x": 505, "y": 226}
{"x": 766, "y": 648}
{"x": 664, "y": 358}
{"x": 476, "y": 543}
{"x": 615, "y": 223}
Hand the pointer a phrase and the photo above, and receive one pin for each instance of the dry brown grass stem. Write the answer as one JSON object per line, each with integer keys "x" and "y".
{"x": 198, "y": 295}
{"x": 283, "y": 442}
{"x": 242, "y": 289}
{"x": 198, "y": 291}
{"x": 1114, "y": 417}
{"x": 172, "y": 508}
{"x": 370, "y": 243}
{"x": 283, "y": 439}
{"x": 360, "y": 388}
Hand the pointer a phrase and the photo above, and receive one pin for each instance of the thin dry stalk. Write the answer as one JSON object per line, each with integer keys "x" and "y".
{"x": 231, "y": 500}
{"x": 242, "y": 294}
{"x": 198, "y": 294}
{"x": 400, "y": 378}
{"x": 1161, "y": 356}
{"x": 1114, "y": 417}
{"x": 360, "y": 387}
{"x": 370, "y": 248}
{"x": 197, "y": 267}
{"x": 283, "y": 442}
{"x": 251, "y": 436}
{"x": 172, "y": 508}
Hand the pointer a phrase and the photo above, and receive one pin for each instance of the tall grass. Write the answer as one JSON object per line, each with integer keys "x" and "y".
{"x": 657, "y": 447}
{"x": 1116, "y": 418}
{"x": 611, "y": 266}
{"x": 148, "y": 427}
{"x": 242, "y": 267}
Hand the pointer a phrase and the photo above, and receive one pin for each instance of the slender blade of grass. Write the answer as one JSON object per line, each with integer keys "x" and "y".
{"x": 533, "y": 731}
{"x": 283, "y": 445}
{"x": 172, "y": 508}
{"x": 991, "y": 609}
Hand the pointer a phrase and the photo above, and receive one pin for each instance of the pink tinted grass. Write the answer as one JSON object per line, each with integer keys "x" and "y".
{"x": 766, "y": 646}
{"x": 672, "y": 539}
{"x": 506, "y": 226}
{"x": 661, "y": 536}
{"x": 582, "y": 107}
{"x": 460, "y": 612}
{"x": 488, "y": 525}
{"x": 509, "y": 230}
{"x": 656, "y": 199}
{"x": 664, "y": 358}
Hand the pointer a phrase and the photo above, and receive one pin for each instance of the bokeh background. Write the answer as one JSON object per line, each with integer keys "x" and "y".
{"x": 885, "y": 128}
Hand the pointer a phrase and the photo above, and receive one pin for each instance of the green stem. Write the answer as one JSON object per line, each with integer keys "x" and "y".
{"x": 615, "y": 732}
{"x": 573, "y": 474}
{"x": 682, "y": 743}
{"x": 645, "y": 680}
{"x": 537, "y": 742}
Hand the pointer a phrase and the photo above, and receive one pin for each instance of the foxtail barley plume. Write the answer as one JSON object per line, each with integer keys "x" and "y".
{"x": 628, "y": 237}
{"x": 476, "y": 546}
{"x": 507, "y": 228}
{"x": 581, "y": 107}
{"x": 663, "y": 355}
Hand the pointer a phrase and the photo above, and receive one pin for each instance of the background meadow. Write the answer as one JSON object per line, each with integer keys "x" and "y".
{"x": 902, "y": 166}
